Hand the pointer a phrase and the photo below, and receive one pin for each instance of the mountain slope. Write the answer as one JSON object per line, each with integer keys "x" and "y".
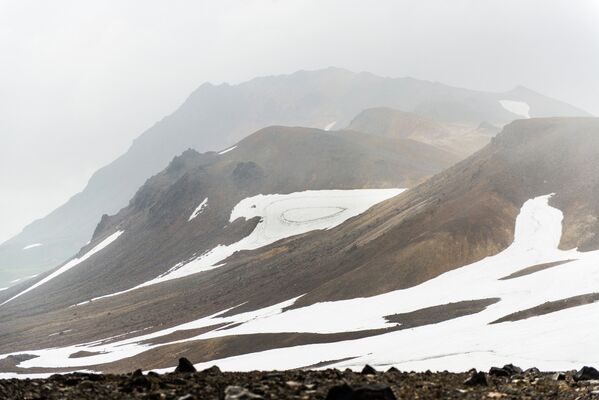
{"x": 185, "y": 210}
{"x": 215, "y": 117}
{"x": 458, "y": 138}
{"x": 470, "y": 256}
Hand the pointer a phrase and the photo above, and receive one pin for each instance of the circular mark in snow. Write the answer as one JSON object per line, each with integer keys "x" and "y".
{"x": 310, "y": 214}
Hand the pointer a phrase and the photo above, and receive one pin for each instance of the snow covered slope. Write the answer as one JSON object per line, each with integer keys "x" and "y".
{"x": 470, "y": 340}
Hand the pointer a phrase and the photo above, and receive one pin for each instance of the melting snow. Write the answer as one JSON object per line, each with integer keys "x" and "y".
{"x": 31, "y": 246}
{"x": 199, "y": 209}
{"x": 227, "y": 150}
{"x": 516, "y": 107}
{"x": 556, "y": 341}
{"x": 74, "y": 262}
{"x": 330, "y": 126}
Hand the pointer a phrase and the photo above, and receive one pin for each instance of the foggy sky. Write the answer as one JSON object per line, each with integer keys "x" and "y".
{"x": 80, "y": 79}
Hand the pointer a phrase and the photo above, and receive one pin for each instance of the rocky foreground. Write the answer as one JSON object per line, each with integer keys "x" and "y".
{"x": 508, "y": 382}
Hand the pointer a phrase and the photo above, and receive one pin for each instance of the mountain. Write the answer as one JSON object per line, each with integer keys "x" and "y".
{"x": 458, "y": 138}
{"x": 460, "y": 271}
{"x": 185, "y": 210}
{"x": 215, "y": 117}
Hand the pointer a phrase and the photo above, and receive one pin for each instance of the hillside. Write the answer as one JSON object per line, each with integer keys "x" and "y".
{"x": 215, "y": 117}
{"x": 483, "y": 250}
{"x": 458, "y": 138}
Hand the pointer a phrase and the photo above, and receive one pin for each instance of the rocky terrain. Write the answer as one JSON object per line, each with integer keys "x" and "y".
{"x": 508, "y": 382}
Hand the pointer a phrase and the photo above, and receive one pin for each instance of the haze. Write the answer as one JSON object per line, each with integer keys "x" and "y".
{"x": 80, "y": 79}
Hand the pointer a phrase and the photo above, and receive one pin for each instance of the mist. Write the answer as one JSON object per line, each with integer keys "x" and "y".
{"x": 79, "y": 80}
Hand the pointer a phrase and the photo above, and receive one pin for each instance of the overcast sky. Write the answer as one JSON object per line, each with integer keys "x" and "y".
{"x": 79, "y": 80}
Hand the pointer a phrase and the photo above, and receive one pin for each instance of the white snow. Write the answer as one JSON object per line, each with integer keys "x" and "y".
{"x": 31, "y": 246}
{"x": 557, "y": 341}
{"x": 330, "y": 126}
{"x": 227, "y": 150}
{"x": 199, "y": 209}
{"x": 316, "y": 209}
{"x": 74, "y": 262}
{"x": 516, "y": 107}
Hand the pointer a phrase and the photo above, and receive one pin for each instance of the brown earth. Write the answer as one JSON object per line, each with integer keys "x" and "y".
{"x": 436, "y": 314}
{"x": 533, "y": 269}
{"x": 550, "y": 307}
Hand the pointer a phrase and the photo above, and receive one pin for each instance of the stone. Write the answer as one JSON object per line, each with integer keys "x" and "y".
{"x": 368, "y": 370}
{"x": 558, "y": 376}
{"x": 240, "y": 393}
{"x": 375, "y": 391}
{"x": 476, "y": 378}
{"x": 586, "y": 374}
{"x": 185, "y": 366}
{"x": 214, "y": 370}
{"x": 496, "y": 371}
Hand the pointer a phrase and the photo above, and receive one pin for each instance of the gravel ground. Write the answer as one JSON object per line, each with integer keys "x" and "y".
{"x": 500, "y": 383}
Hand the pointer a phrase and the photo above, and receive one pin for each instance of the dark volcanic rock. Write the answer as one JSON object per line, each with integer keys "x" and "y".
{"x": 506, "y": 370}
{"x": 368, "y": 370}
{"x": 496, "y": 371}
{"x": 376, "y": 391}
{"x": 214, "y": 370}
{"x": 185, "y": 366}
{"x": 586, "y": 374}
{"x": 293, "y": 384}
{"x": 476, "y": 378}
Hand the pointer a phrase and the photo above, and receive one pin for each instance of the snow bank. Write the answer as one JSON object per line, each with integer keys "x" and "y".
{"x": 199, "y": 209}
{"x": 330, "y": 126}
{"x": 31, "y": 246}
{"x": 227, "y": 150}
{"x": 516, "y": 107}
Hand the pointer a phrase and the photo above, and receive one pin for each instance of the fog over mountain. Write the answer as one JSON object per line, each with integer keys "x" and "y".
{"x": 81, "y": 80}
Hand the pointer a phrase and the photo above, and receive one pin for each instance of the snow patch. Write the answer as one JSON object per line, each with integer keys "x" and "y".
{"x": 199, "y": 209}
{"x": 227, "y": 150}
{"x": 74, "y": 262}
{"x": 516, "y": 107}
{"x": 330, "y": 126}
{"x": 31, "y": 246}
